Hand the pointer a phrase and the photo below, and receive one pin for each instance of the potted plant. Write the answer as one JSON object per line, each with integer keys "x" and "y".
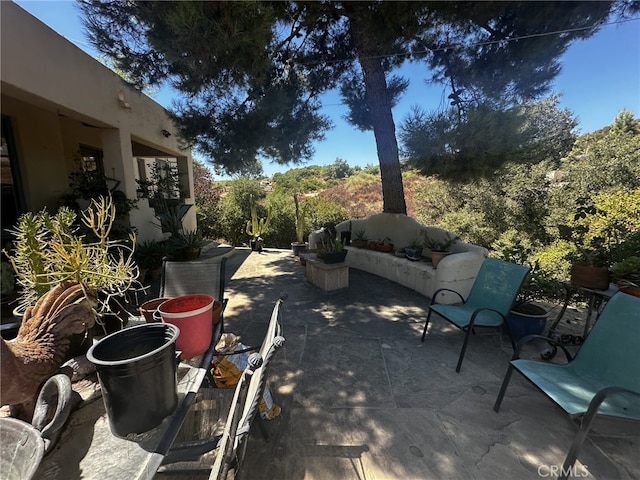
{"x": 299, "y": 246}
{"x": 333, "y": 251}
{"x": 189, "y": 243}
{"x": 528, "y": 317}
{"x": 592, "y": 254}
{"x": 626, "y": 275}
{"x": 384, "y": 245}
{"x": 360, "y": 240}
{"x": 256, "y": 227}
{"x": 149, "y": 255}
{"x": 439, "y": 248}
{"x": 413, "y": 251}
{"x": 48, "y": 250}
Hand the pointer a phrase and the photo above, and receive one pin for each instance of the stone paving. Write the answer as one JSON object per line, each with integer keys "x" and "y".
{"x": 363, "y": 398}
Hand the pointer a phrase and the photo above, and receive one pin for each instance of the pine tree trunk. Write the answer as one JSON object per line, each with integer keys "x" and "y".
{"x": 384, "y": 128}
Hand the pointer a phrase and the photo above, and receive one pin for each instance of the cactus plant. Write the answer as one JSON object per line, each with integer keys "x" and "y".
{"x": 256, "y": 227}
{"x": 301, "y": 223}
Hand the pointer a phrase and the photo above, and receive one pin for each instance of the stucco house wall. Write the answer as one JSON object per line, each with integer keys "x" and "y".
{"x": 58, "y": 98}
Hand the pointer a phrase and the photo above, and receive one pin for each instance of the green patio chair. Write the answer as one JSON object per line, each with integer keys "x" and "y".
{"x": 603, "y": 378}
{"x": 490, "y": 299}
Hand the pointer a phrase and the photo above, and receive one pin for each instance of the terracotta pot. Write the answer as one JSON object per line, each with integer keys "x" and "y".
{"x": 215, "y": 313}
{"x": 359, "y": 243}
{"x": 587, "y": 276}
{"x": 384, "y": 248}
{"x": 192, "y": 253}
{"x": 436, "y": 257}
{"x": 634, "y": 291}
{"x": 150, "y": 306}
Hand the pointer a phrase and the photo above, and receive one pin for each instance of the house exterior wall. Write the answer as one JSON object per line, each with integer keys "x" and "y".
{"x": 58, "y": 98}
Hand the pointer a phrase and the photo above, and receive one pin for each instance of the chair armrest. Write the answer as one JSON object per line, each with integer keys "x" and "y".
{"x": 475, "y": 313}
{"x": 523, "y": 341}
{"x": 602, "y": 395}
{"x": 435, "y": 294}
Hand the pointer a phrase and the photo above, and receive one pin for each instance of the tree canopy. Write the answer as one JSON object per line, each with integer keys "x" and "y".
{"x": 251, "y": 73}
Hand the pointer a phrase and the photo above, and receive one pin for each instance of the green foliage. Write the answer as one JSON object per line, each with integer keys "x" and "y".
{"x": 539, "y": 283}
{"x": 361, "y": 235}
{"x": 440, "y": 245}
{"x": 627, "y": 271}
{"x": 264, "y": 71}
{"x": 170, "y": 214}
{"x": 625, "y": 124}
{"x": 86, "y": 185}
{"x": 599, "y": 161}
{"x": 48, "y": 250}
{"x": 416, "y": 244}
{"x": 236, "y": 208}
{"x": 164, "y": 182}
{"x": 601, "y": 226}
{"x": 324, "y": 212}
{"x": 332, "y": 245}
{"x": 282, "y": 229}
{"x": 189, "y": 239}
{"x": 149, "y": 254}
{"x": 485, "y": 138}
{"x": 207, "y": 201}
{"x": 526, "y": 198}
{"x": 553, "y": 258}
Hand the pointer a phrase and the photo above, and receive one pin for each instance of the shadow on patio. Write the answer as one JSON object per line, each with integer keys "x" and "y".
{"x": 363, "y": 398}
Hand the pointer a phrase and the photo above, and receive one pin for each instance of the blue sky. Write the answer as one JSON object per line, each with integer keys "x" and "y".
{"x": 600, "y": 77}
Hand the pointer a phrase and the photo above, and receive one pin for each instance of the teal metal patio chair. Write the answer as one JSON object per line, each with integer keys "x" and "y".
{"x": 490, "y": 299}
{"x": 603, "y": 378}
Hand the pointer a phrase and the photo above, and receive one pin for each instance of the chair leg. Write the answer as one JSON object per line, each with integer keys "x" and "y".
{"x": 426, "y": 324}
{"x": 585, "y": 426}
{"x": 464, "y": 349}
{"x": 513, "y": 342}
{"x": 503, "y": 388}
{"x": 263, "y": 428}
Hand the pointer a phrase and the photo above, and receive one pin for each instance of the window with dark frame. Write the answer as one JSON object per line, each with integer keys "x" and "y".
{"x": 91, "y": 160}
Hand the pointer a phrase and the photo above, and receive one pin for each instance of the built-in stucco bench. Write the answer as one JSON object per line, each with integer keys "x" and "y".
{"x": 456, "y": 271}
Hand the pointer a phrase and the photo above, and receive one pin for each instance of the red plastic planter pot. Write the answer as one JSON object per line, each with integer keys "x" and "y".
{"x": 193, "y": 315}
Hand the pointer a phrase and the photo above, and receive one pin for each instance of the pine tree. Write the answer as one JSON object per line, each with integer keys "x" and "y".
{"x": 251, "y": 72}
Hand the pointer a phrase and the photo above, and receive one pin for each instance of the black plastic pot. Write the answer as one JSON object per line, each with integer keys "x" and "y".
{"x": 137, "y": 372}
{"x": 332, "y": 257}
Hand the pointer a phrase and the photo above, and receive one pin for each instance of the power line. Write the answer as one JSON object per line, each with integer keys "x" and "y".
{"x": 479, "y": 44}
